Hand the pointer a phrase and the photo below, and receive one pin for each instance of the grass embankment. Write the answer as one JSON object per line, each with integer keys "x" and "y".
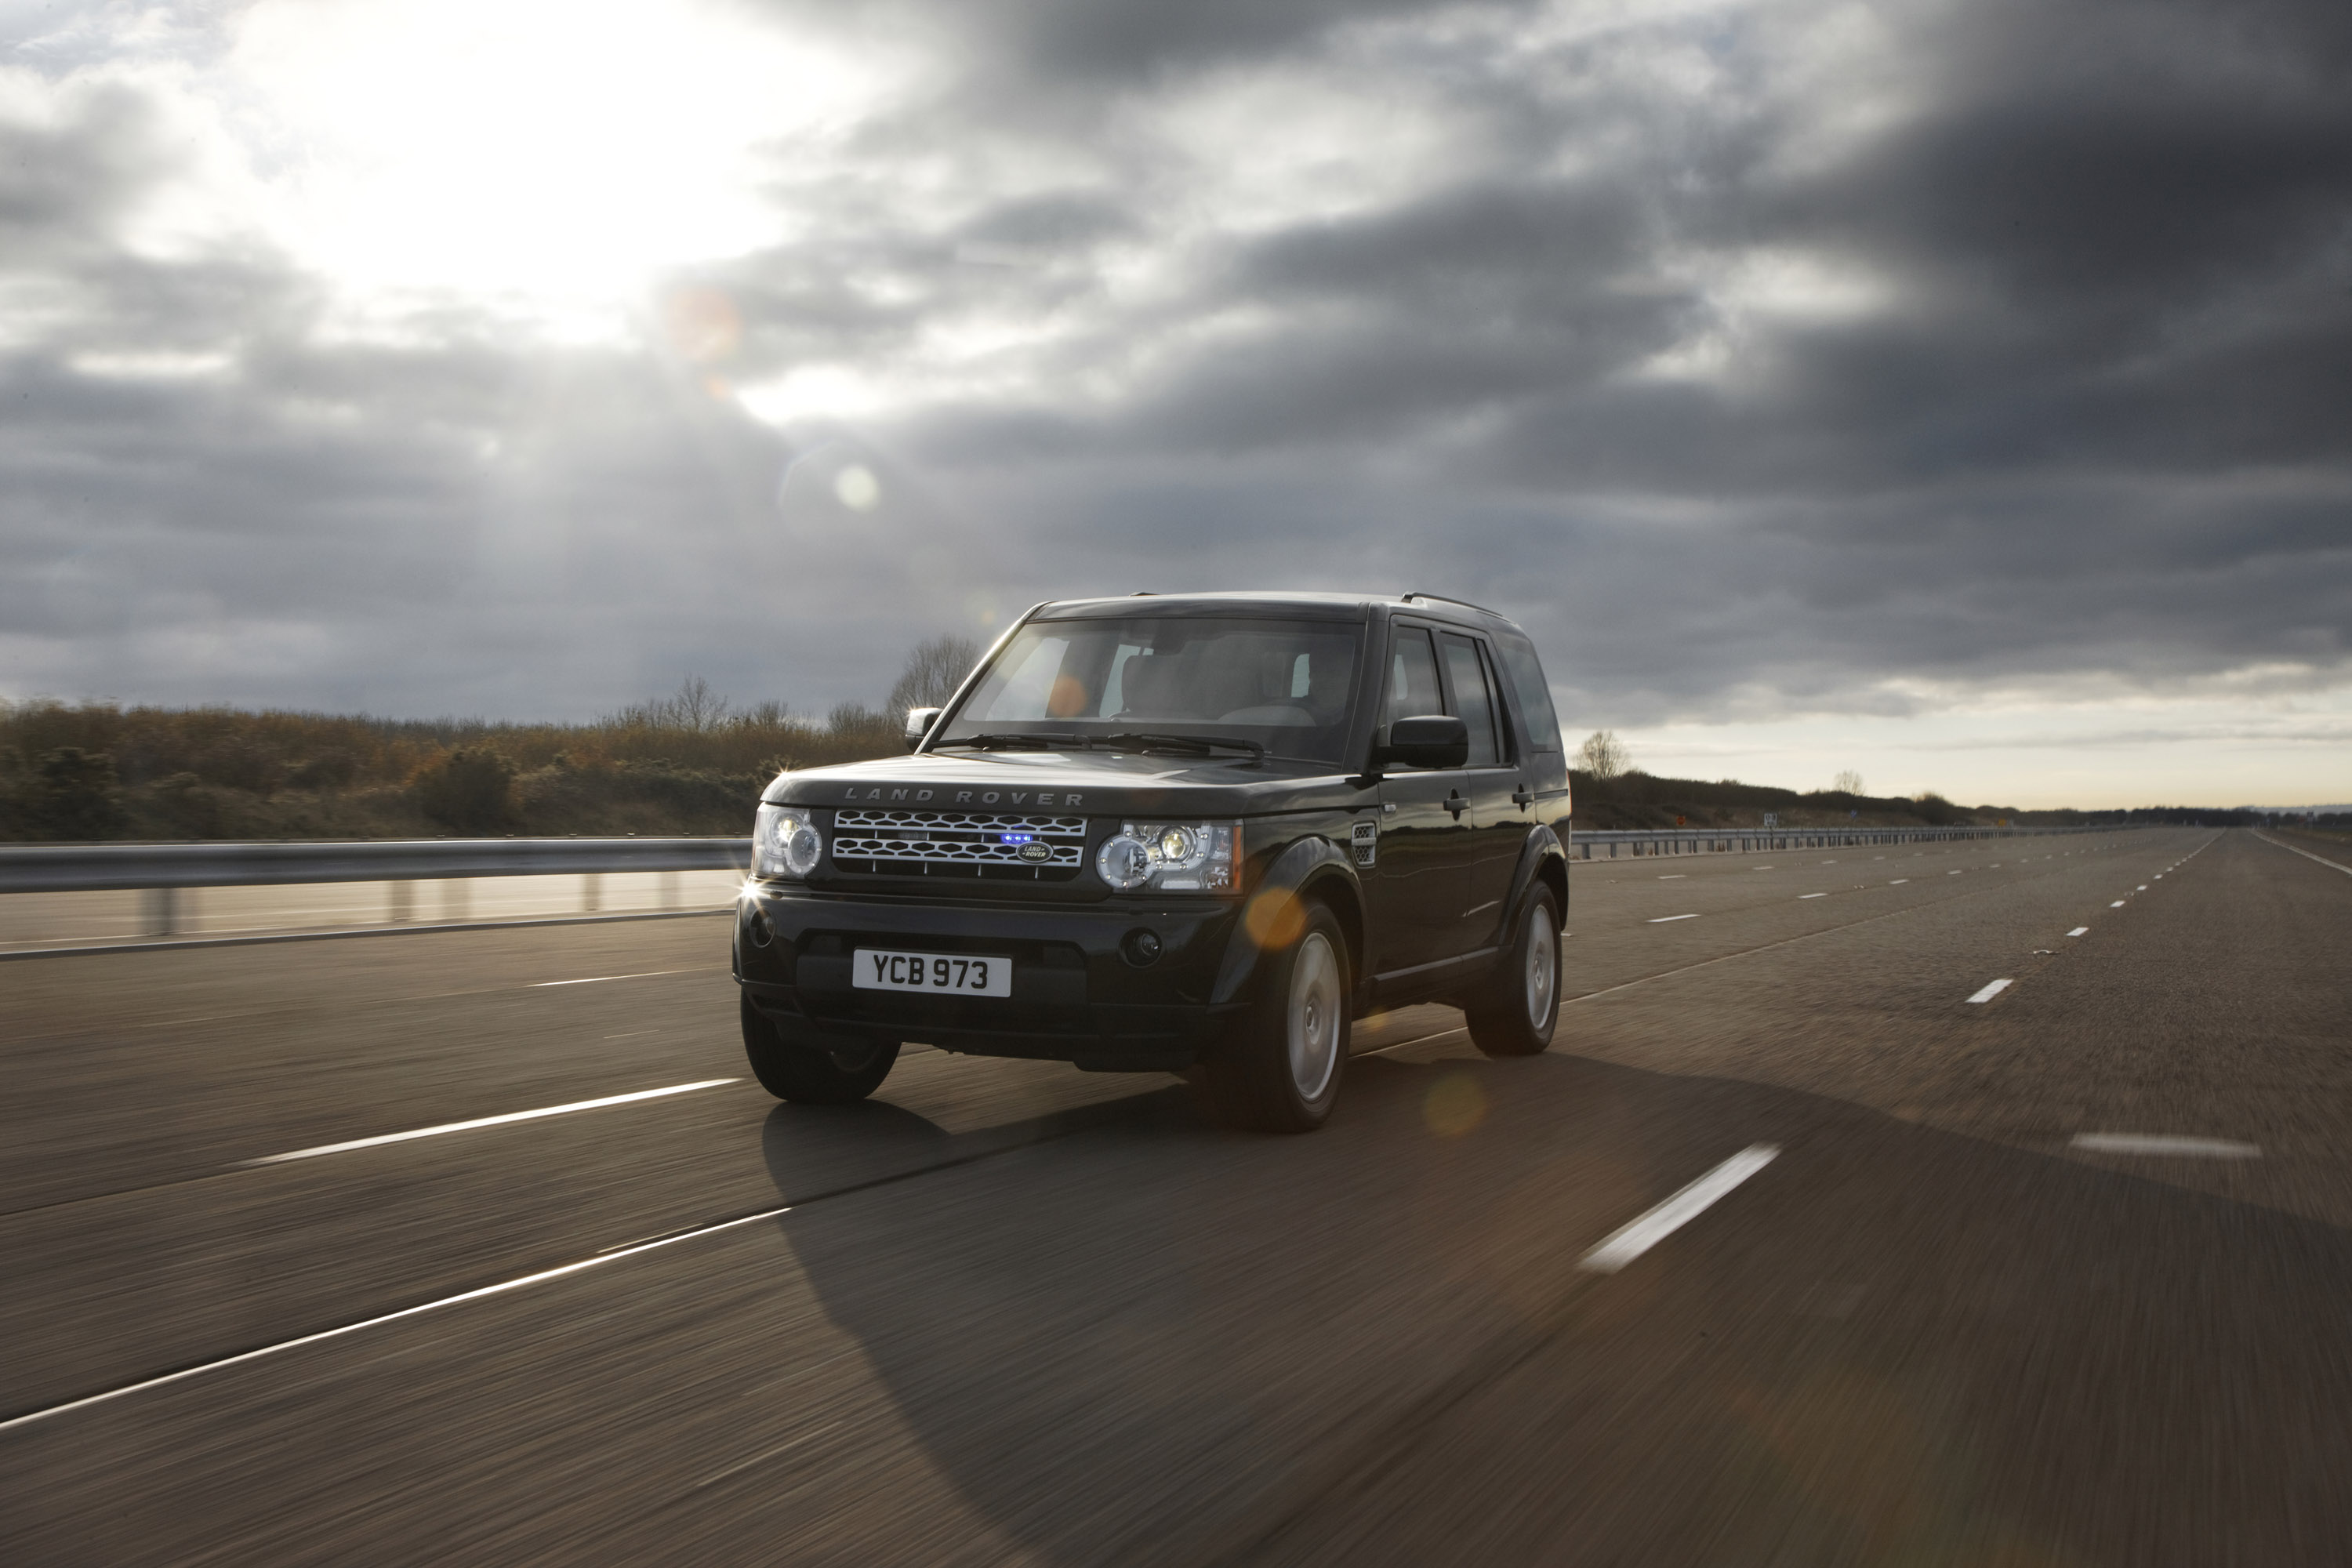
{"x": 685, "y": 764}
{"x": 97, "y": 771}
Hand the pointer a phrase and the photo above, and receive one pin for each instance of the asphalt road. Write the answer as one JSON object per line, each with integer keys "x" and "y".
{"x": 1008, "y": 1311}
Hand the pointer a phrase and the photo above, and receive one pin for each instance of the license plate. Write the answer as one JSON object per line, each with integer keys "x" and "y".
{"x": 938, "y": 972}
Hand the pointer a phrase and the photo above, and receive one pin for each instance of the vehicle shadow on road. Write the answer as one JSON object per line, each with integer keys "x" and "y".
{"x": 1144, "y": 1339}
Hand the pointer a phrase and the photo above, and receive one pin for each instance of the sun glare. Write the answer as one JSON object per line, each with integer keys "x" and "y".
{"x": 550, "y": 160}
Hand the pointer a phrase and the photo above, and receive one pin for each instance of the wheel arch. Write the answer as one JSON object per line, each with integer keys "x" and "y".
{"x": 1314, "y": 867}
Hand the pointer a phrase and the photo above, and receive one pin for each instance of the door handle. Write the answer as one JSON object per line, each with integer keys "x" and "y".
{"x": 1454, "y": 802}
{"x": 1522, "y": 797}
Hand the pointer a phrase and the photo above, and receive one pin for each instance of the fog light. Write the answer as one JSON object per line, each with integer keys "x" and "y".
{"x": 756, "y": 926}
{"x": 1140, "y": 947}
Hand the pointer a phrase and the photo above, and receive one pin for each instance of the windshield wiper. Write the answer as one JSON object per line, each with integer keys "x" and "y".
{"x": 994, "y": 739}
{"x": 1198, "y": 745}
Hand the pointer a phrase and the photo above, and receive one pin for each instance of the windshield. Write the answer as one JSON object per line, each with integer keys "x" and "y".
{"x": 1284, "y": 686}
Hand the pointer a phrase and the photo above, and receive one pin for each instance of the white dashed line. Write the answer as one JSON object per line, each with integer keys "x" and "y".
{"x": 2141, "y": 888}
{"x": 489, "y": 1121}
{"x": 2116, "y": 905}
{"x": 1898, "y": 881}
{"x": 2163, "y": 1143}
{"x": 2079, "y": 931}
{"x": 1636, "y": 1238}
{"x": 1992, "y": 991}
{"x": 1802, "y": 896}
{"x": 1663, "y": 919}
{"x": 1951, "y": 873}
{"x": 1675, "y": 876}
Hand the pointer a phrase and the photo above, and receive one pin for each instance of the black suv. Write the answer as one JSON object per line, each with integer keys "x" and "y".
{"x": 1193, "y": 833}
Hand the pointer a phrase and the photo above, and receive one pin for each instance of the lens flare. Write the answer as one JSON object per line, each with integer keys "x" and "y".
{"x": 857, "y": 488}
{"x": 1454, "y": 1105}
{"x": 1274, "y": 920}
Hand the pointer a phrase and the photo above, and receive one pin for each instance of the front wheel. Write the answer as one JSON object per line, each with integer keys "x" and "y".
{"x": 1281, "y": 1072}
{"x": 792, "y": 1062}
{"x": 1515, "y": 1014}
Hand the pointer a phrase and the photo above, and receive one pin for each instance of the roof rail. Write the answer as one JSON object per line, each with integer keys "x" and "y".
{"x": 1448, "y": 598}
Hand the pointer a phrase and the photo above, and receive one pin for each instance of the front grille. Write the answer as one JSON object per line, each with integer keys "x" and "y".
{"x": 976, "y": 844}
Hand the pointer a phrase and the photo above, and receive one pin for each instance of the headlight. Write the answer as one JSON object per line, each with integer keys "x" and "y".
{"x": 1171, "y": 857}
{"x": 785, "y": 842}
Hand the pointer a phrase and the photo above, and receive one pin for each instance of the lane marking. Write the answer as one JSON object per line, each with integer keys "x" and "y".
{"x": 1992, "y": 991}
{"x": 1898, "y": 881}
{"x": 1802, "y": 896}
{"x": 1663, "y": 919}
{"x": 1951, "y": 873}
{"x": 600, "y": 979}
{"x": 2304, "y": 853}
{"x": 2165, "y": 1143}
{"x": 1678, "y": 876}
{"x": 2078, "y": 931}
{"x": 488, "y": 1122}
{"x": 1636, "y": 1236}
{"x": 2141, "y": 888}
{"x": 764, "y": 1454}
{"x": 2116, "y": 905}
{"x": 500, "y": 1288}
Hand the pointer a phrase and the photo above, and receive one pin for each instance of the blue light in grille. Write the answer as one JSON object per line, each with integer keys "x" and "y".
{"x": 1016, "y": 839}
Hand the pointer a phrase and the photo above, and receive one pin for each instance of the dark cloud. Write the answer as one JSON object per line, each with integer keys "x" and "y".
{"x": 1756, "y": 370}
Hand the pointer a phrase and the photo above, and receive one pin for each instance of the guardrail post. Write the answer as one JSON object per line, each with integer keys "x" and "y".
{"x": 591, "y": 891}
{"x": 669, "y": 887}
{"x": 457, "y": 899}
{"x": 403, "y": 902}
{"x": 160, "y": 909}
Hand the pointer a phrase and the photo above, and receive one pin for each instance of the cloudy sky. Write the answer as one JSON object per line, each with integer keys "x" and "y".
{"x": 1959, "y": 391}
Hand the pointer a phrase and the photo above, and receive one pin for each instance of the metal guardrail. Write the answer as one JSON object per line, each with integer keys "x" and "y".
{"x": 97, "y": 868}
{"x": 1765, "y": 840}
{"x": 94, "y": 867}
{"x": 160, "y": 872}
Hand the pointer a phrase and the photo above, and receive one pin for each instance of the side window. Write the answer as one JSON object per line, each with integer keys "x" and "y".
{"x": 1472, "y": 701}
{"x": 1412, "y": 676}
{"x": 1527, "y": 683}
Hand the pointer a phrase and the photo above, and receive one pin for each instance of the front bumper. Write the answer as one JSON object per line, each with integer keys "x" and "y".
{"x": 1077, "y": 994}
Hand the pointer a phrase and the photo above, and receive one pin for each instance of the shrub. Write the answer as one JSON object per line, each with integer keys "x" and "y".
{"x": 71, "y": 795}
{"x": 471, "y": 790}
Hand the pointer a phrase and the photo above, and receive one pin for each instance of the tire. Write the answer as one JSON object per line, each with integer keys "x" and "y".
{"x": 1515, "y": 1014}
{"x": 1281, "y": 1071}
{"x": 793, "y": 1062}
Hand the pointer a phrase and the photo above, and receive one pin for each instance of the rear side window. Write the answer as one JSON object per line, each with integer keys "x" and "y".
{"x": 1471, "y": 699}
{"x": 1412, "y": 676}
{"x": 1527, "y": 676}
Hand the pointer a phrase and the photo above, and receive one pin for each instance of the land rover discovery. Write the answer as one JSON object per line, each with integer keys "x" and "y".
{"x": 1196, "y": 833}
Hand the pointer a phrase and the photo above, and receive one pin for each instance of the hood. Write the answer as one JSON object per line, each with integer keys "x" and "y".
{"x": 1092, "y": 783}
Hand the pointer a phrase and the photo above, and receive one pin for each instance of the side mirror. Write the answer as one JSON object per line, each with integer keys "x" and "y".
{"x": 919, "y": 724}
{"x": 1425, "y": 741}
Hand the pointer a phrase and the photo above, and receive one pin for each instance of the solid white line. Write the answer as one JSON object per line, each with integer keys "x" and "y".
{"x": 2078, "y": 931}
{"x": 499, "y": 1289}
{"x": 489, "y": 1121}
{"x": 1631, "y": 1240}
{"x": 2160, "y": 1144}
{"x": 2304, "y": 853}
{"x": 600, "y": 979}
{"x": 1992, "y": 991}
{"x": 1802, "y": 896}
{"x": 1663, "y": 919}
